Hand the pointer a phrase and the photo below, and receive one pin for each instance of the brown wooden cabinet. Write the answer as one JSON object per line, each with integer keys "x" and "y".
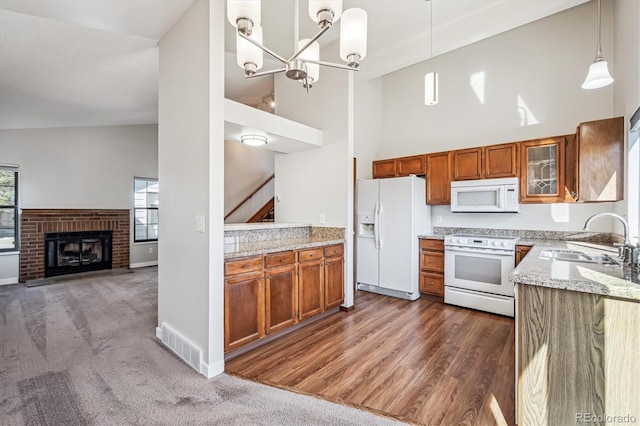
{"x": 600, "y": 160}
{"x": 432, "y": 267}
{"x": 403, "y": 166}
{"x": 384, "y": 168}
{"x": 281, "y": 291}
{"x": 333, "y": 276}
{"x": 521, "y": 252}
{"x": 486, "y": 162}
{"x": 310, "y": 283}
{"x": 438, "y": 184}
{"x": 243, "y": 304}
{"x": 467, "y": 164}
{"x": 542, "y": 165}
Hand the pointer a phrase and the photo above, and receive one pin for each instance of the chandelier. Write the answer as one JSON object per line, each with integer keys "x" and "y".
{"x": 304, "y": 64}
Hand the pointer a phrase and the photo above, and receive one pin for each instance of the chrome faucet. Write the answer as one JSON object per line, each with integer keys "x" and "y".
{"x": 626, "y": 250}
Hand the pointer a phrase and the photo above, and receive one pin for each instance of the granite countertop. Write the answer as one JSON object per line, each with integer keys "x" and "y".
{"x": 431, "y": 237}
{"x": 263, "y": 225}
{"x": 264, "y": 247}
{"x": 608, "y": 280}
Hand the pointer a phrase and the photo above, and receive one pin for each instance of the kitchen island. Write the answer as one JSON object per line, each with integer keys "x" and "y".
{"x": 279, "y": 277}
{"x": 577, "y": 338}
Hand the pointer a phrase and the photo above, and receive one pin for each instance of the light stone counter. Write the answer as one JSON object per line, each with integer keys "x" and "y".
{"x": 608, "y": 280}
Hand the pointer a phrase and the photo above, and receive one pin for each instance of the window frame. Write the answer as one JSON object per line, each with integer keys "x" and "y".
{"x": 146, "y": 209}
{"x": 15, "y": 207}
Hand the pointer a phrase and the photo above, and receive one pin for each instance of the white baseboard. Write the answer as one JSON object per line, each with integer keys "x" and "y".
{"x": 143, "y": 264}
{"x": 7, "y": 281}
{"x": 210, "y": 371}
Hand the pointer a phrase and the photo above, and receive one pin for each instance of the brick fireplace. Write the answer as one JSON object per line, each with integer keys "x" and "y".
{"x": 35, "y": 223}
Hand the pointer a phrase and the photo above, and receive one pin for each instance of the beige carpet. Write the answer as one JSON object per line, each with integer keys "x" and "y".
{"x": 84, "y": 352}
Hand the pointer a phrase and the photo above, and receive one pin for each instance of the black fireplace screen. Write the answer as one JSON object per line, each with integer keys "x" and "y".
{"x": 71, "y": 252}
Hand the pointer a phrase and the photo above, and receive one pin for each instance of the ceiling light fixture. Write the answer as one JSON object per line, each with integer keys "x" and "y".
{"x": 253, "y": 140}
{"x": 305, "y": 63}
{"x": 431, "y": 78}
{"x": 598, "y": 75}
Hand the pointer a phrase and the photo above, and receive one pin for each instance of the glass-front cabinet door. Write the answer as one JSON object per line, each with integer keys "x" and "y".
{"x": 542, "y": 171}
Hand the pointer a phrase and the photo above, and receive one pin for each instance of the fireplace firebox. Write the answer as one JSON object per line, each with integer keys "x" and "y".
{"x": 72, "y": 252}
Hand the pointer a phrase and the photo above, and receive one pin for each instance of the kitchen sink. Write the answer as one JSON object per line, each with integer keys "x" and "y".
{"x": 578, "y": 256}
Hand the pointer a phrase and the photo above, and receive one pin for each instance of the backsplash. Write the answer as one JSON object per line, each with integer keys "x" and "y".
{"x": 596, "y": 237}
{"x": 268, "y": 234}
{"x": 327, "y": 232}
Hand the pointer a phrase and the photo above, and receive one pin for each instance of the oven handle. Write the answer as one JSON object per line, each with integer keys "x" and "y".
{"x": 503, "y": 253}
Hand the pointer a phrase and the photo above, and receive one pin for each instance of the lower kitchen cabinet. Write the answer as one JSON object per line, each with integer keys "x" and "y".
{"x": 281, "y": 297}
{"x": 432, "y": 267}
{"x": 333, "y": 276}
{"x": 243, "y": 309}
{"x": 310, "y": 283}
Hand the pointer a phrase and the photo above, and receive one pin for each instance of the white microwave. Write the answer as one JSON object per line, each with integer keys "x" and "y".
{"x": 485, "y": 195}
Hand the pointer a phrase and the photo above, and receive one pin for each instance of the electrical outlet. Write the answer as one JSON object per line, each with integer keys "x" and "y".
{"x": 438, "y": 219}
{"x": 150, "y": 250}
{"x": 323, "y": 218}
{"x": 200, "y": 223}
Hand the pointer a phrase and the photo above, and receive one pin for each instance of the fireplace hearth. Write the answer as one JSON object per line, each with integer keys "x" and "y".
{"x": 72, "y": 252}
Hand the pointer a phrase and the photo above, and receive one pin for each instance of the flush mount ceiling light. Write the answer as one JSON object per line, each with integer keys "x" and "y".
{"x": 431, "y": 78}
{"x": 254, "y": 140}
{"x": 304, "y": 64}
{"x": 598, "y": 75}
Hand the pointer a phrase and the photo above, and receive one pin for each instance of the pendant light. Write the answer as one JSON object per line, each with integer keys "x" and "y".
{"x": 431, "y": 78}
{"x": 598, "y": 75}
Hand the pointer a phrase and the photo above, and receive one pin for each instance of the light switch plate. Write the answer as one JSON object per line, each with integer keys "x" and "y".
{"x": 200, "y": 223}
{"x": 323, "y": 218}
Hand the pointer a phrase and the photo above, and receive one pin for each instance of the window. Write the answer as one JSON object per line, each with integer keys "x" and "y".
{"x": 145, "y": 210}
{"x": 8, "y": 208}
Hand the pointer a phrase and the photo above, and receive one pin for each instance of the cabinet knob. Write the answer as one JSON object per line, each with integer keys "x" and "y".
{"x": 245, "y": 266}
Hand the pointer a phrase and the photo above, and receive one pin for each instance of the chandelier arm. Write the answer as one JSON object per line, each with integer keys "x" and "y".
{"x": 331, "y": 64}
{"x": 266, "y": 49}
{"x": 260, "y": 74}
{"x": 309, "y": 43}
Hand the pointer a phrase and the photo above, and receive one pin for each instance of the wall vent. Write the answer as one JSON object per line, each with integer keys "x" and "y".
{"x": 186, "y": 350}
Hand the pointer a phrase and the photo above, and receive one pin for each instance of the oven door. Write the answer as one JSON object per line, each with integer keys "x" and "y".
{"x": 480, "y": 270}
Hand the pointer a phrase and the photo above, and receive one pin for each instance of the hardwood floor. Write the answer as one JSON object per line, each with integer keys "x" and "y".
{"x": 422, "y": 362}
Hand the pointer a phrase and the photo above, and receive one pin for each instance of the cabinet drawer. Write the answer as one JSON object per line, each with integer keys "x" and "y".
{"x": 435, "y": 245}
{"x": 432, "y": 284}
{"x": 279, "y": 259}
{"x": 312, "y": 254}
{"x": 240, "y": 266}
{"x": 336, "y": 250}
{"x": 432, "y": 261}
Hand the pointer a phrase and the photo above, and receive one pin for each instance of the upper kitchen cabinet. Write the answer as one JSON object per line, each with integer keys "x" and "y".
{"x": 467, "y": 164}
{"x": 501, "y": 161}
{"x": 487, "y": 162}
{"x": 404, "y": 166}
{"x": 542, "y": 171}
{"x": 438, "y": 185}
{"x": 600, "y": 160}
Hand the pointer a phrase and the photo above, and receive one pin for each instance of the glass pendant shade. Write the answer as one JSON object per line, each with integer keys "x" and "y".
{"x": 316, "y": 6}
{"x": 313, "y": 53}
{"x": 249, "y": 53}
{"x": 431, "y": 88}
{"x": 248, "y": 9}
{"x": 598, "y": 76}
{"x": 353, "y": 34}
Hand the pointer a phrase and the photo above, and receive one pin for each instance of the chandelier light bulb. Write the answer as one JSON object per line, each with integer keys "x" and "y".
{"x": 353, "y": 36}
{"x": 325, "y": 12}
{"x": 312, "y": 53}
{"x": 244, "y": 14}
{"x": 249, "y": 56}
{"x": 431, "y": 88}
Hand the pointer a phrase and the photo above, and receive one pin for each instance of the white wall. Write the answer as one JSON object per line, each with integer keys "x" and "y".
{"x": 368, "y": 122}
{"x": 526, "y": 85}
{"x": 191, "y": 172}
{"x": 246, "y": 167}
{"x": 83, "y": 168}
{"x": 319, "y": 181}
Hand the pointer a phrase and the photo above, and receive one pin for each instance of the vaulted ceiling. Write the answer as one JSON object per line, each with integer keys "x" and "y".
{"x": 82, "y": 63}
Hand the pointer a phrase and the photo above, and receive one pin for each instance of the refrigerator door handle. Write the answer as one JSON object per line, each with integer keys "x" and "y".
{"x": 376, "y": 224}
{"x": 379, "y": 224}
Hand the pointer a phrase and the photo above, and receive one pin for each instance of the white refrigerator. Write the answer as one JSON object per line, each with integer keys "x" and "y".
{"x": 391, "y": 213}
